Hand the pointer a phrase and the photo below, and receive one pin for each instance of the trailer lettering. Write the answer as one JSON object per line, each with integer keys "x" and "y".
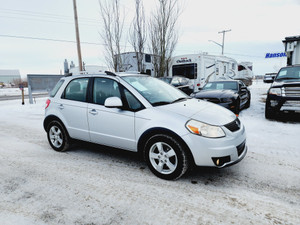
{"x": 183, "y": 60}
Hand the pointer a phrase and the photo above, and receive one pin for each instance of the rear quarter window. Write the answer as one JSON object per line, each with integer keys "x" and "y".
{"x": 76, "y": 90}
{"x": 56, "y": 88}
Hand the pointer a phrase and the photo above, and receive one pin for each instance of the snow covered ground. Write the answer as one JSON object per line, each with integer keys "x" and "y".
{"x": 12, "y": 91}
{"x": 96, "y": 185}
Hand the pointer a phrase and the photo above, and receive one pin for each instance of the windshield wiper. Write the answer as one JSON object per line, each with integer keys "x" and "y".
{"x": 160, "y": 103}
{"x": 180, "y": 99}
{"x": 165, "y": 103}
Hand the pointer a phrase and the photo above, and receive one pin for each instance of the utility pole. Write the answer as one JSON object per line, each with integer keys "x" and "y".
{"x": 77, "y": 36}
{"x": 223, "y": 39}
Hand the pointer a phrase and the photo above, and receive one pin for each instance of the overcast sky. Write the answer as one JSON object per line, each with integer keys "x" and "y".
{"x": 257, "y": 27}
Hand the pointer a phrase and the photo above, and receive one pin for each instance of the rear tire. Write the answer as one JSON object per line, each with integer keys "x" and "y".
{"x": 58, "y": 137}
{"x": 166, "y": 157}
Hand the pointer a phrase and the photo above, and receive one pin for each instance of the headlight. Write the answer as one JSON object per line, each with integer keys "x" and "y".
{"x": 275, "y": 91}
{"x": 204, "y": 129}
{"x": 226, "y": 100}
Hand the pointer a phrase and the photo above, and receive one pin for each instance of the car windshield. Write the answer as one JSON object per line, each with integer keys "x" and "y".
{"x": 228, "y": 85}
{"x": 156, "y": 92}
{"x": 289, "y": 73}
{"x": 166, "y": 79}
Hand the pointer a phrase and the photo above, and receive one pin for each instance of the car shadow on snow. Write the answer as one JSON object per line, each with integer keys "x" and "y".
{"x": 213, "y": 176}
{"x": 288, "y": 117}
{"x": 96, "y": 151}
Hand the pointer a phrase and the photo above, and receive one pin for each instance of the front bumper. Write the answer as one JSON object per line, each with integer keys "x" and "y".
{"x": 283, "y": 104}
{"x": 218, "y": 152}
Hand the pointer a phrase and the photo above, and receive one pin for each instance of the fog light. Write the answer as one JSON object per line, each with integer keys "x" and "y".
{"x": 220, "y": 161}
{"x": 273, "y": 103}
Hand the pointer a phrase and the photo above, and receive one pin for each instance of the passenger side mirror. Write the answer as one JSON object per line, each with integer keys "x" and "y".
{"x": 113, "y": 102}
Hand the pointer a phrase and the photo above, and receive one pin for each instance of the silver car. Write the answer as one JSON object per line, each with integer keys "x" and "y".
{"x": 143, "y": 114}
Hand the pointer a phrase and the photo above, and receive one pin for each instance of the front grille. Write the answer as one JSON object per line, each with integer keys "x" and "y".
{"x": 291, "y": 91}
{"x": 240, "y": 148}
{"x": 234, "y": 125}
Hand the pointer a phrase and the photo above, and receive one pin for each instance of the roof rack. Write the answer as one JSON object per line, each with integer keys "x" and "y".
{"x": 110, "y": 73}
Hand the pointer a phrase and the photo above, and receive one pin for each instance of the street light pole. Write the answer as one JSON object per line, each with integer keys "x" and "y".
{"x": 223, "y": 39}
{"x": 77, "y": 36}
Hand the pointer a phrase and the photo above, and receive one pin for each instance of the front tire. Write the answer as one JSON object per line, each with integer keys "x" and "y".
{"x": 237, "y": 107}
{"x": 247, "y": 105}
{"x": 57, "y": 136}
{"x": 166, "y": 157}
{"x": 269, "y": 114}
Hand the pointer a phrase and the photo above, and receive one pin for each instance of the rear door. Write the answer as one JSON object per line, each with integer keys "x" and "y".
{"x": 73, "y": 108}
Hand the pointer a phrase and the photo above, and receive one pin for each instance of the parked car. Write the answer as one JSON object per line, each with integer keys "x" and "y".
{"x": 284, "y": 93}
{"x": 269, "y": 77}
{"x": 143, "y": 114}
{"x": 182, "y": 83}
{"x": 231, "y": 94}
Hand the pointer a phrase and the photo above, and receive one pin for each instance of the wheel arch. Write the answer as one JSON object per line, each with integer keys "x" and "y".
{"x": 50, "y": 118}
{"x": 159, "y": 130}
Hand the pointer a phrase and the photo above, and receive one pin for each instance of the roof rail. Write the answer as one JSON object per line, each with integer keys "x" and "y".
{"x": 110, "y": 73}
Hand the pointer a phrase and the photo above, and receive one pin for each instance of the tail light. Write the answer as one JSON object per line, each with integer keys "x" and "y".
{"x": 47, "y": 103}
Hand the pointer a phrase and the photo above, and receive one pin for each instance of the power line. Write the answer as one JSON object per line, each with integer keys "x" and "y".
{"x": 50, "y": 39}
{"x": 47, "y": 39}
{"x": 43, "y": 20}
{"x": 49, "y": 15}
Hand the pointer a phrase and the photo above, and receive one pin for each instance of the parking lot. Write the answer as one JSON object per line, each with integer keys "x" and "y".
{"x": 96, "y": 185}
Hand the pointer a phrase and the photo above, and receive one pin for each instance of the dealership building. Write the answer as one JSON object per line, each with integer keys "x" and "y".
{"x": 292, "y": 49}
{"x": 9, "y": 76}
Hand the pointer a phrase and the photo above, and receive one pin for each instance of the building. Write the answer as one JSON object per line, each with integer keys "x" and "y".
{"x": 9, "y": 76}
{"x": 292, "y": 49}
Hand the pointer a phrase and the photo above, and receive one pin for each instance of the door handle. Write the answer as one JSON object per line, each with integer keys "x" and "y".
{"x": 93, "y": 112}
{"x": 61, "y": 106}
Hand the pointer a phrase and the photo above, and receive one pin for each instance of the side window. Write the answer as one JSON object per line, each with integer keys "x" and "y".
{"x": 133, "y": 103}
{"x": 103, "y": 89}
{"x": 76, "y": 90}
{"x": 147, "y": 58}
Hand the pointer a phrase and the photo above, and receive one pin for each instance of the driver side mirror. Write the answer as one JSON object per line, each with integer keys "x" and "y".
{"x": 273, "y": 78}
{"x": 113, "y": 102}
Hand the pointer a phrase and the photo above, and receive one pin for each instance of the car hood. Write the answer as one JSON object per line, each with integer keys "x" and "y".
{"x": 214, "y": 94}
{"x": 286, "y": 83}
{"x": 200, "y": 110}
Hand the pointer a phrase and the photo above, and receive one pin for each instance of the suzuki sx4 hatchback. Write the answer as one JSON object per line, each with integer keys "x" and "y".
{"x": 143, "y": 114}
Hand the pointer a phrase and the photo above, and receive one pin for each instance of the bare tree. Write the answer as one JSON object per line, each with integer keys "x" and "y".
{"x": 112, "y": 32}
{"x": 138, "y": 34}
{"x": 163, "y": 35}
